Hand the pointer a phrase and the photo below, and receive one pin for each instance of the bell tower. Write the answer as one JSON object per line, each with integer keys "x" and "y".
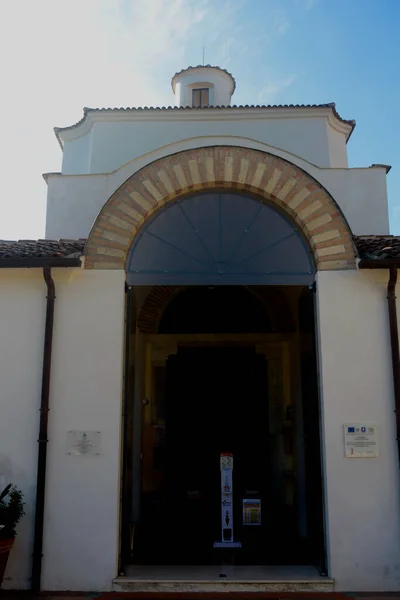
{"x": 202, "y": 86}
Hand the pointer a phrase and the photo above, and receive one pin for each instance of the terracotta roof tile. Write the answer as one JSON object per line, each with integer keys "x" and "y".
{"x": 378, "y": 246}
{"x": 233, "y": 107}
{"x": 41, "y": 248}
{"x": 368, "y": 246}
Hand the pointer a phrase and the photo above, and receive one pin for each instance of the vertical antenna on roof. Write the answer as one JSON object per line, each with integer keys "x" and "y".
{"x": 204, "y": 51}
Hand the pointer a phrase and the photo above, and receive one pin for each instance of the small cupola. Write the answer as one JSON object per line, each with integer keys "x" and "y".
{"x": 203, "y": 85}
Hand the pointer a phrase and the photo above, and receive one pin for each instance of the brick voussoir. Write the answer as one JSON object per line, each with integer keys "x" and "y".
{"x": 291, "y": 188}
{"x": 325, "y": 208}
{"x": 98, "y": 240}
{"x": 347, "y": 256}
{"x": 336, "y": 223}
{"x": 287, "y": 173}
{"x": 338, "y": 241}
{"x": 143, "y": 191}
{"x": 122, "y": 215}
{"x": 201, "y": 166}
{"x": 172, "y": 177}
{"x": 268, "y": 161}
{"x": 237, "y": 162}
{"x": 152, "y": 307}
{"x": 108, "y": 225}
{"x": 107, "y": 262}
{"x": 335, "y": 265}
{"x": 113, "y": 229}
{"x": 251, "y": 172}
{"x": 343, "y": 240}
{"x": 315, "y": 196}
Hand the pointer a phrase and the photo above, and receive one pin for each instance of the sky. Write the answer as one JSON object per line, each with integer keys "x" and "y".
{"x": 58, "y": 56}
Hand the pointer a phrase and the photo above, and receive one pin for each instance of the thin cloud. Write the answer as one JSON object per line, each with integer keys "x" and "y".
{"x": 66, "y": 54}
{"x": 281, "y": 22}
{"x": 269, "y": 91}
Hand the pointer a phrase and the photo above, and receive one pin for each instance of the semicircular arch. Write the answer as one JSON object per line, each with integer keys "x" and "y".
{"x": 274, "y": 180}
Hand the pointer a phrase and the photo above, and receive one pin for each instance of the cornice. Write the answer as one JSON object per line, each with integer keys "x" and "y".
{"x": 211, "y": 113}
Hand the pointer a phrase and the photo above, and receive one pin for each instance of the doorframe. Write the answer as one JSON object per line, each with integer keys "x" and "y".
{"x": 322, "y": 456}
{"x": 281, "y": 340}
{"x": 124, "y": 520}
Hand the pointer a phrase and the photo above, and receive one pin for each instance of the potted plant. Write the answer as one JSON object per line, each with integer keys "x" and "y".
{"x": 11, "y": 512}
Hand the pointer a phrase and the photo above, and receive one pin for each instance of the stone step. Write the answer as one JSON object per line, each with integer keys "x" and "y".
{"x": 143, "y": 586}
{"x": 228, "y": 579}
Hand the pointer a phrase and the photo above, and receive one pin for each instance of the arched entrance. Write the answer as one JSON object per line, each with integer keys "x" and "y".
{"x": 272, "y": 179}
{"x": 196, "y": 233}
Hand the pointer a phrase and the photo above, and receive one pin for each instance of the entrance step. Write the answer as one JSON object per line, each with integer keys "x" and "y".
{"x": 212, "y": 579}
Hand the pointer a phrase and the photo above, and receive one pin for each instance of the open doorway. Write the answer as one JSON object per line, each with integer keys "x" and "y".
{"x": 231, "y": 369}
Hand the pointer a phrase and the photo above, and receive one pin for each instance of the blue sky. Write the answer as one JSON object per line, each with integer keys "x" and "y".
{"x": 66, "y": 54}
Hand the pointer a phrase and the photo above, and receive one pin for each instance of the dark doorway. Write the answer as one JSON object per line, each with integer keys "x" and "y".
{"x": 311, "y": 431}
{"x": 216, "y": 401}
{"x": 218, "y": 394}
{"x": 215, "y": 309}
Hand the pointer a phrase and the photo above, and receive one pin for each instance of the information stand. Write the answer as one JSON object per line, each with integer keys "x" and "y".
{"x": 227, "y": 539}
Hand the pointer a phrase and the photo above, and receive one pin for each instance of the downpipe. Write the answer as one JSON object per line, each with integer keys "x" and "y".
{"x": 394, "y": 343}
{"x": 43, "y": 428}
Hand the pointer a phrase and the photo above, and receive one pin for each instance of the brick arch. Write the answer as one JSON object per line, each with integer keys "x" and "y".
{"x": 154, "y": 305}
{"x": 160, "y": 296}
{"x": 271, "y": 178}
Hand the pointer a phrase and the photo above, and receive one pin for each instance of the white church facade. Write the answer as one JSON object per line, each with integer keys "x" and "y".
{"x": 214, "y": 279}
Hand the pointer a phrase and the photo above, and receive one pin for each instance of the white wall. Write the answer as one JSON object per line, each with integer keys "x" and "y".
{"x": 362, "y": 196}
{"x": 78, "y": 161}
{"x": 82, "y": 500}
{"x": 337, "y": 148}
{"x": 363, "y": 495}
{"x": 73, "y": 202}
{"x": 115, "y": 143}
{"x": 22, "y": 306}
{"x": 82, "y": 493}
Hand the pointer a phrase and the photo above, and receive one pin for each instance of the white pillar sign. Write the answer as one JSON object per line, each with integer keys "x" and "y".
{"x": 227, "y": 540}
{"x": 360, "y": 440}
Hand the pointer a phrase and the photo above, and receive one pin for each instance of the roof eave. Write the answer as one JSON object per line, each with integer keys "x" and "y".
{"x": 353, "y": 126}
{"x": 378, "y": 263}
{"x": 92, "y": 114}
{"x": 59, "y": 139}
{"x": 39, "y": 262}
{"x": 381, "y": 166}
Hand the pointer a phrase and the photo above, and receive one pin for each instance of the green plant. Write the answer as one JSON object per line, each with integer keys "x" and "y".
{"x": 11, "y": 511}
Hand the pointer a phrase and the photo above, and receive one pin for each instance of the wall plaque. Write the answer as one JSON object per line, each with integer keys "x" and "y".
{"x": 83, "y": 443}
{"x": 360, "y": 440}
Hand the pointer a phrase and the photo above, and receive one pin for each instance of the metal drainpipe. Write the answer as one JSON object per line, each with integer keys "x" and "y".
{"x": 394, "y": 342}
{"x": 42, "y": 441}
{"x": 125, "y": 521}
{"x": 137, "y": 428}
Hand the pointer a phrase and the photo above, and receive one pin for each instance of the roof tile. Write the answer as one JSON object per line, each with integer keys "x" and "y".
{"x": 41, "y": 248}
{"x": 86, "y": 110}
{"x": 378, "y": 246}
{"x": 368, "y": 246}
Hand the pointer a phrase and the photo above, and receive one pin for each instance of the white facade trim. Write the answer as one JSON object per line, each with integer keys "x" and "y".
{"x": 92, "y": 116}
{"x": 134, "y": 165}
